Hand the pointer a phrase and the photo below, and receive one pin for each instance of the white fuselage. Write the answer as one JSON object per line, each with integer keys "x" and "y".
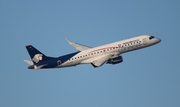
{"x": 116, "y": 48}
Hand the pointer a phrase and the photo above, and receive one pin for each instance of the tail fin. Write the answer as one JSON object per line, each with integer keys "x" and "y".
{"x": 36, "y": 55}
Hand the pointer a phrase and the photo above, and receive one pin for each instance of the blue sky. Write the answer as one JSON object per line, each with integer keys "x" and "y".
{"x": 147, "y": 77}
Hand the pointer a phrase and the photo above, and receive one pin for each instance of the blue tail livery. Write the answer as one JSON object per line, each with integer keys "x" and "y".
{"x": 36, "y": 55}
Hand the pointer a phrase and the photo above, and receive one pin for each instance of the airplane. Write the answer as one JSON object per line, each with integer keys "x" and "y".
{"x": 97, "y": 56}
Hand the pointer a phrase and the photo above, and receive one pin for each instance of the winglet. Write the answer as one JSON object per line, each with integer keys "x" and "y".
{"x": 79, "y": 47}
{"x": 69, "y": 41}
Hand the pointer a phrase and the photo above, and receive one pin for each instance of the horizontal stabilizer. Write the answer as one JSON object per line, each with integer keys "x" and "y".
{"x": 79, "y": 47}
{"x": 29, "y": 62}
{"x": 38, "y": 67}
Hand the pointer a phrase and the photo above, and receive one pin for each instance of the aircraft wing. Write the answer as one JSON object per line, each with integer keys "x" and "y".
{"x": 79, "y": 47}
{"x": 99, "y": 60}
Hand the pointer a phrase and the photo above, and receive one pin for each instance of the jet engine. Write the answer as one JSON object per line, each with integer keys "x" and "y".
{"x": 115, "y": 60}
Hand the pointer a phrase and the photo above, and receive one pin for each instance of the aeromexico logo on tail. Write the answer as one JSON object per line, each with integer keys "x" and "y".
{"x": 37, "y": 58}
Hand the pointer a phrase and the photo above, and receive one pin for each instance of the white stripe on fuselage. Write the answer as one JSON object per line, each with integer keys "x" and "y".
{"x": 115, "y": 48}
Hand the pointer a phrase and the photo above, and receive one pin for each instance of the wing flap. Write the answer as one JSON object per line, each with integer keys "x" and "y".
{"x": 98, "y": 61}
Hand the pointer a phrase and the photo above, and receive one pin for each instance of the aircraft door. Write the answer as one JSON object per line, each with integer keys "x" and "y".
{"x": 59, "y": 62}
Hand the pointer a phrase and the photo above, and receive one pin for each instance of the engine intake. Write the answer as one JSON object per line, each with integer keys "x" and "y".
{"x": 116, "y": 60}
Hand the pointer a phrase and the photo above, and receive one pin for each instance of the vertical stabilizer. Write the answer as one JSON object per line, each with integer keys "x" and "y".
{"x": 36, "y": 55}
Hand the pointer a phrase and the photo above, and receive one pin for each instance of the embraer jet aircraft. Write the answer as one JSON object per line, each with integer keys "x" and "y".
{"x": 97, "y": 56}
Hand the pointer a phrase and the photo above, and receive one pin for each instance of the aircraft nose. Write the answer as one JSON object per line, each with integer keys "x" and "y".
{"x": 158, "y": 40}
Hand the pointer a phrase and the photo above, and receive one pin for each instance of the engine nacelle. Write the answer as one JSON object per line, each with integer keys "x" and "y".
{"x": 116, "y": 60}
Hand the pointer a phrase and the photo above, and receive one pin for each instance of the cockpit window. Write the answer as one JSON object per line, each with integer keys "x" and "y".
{"x": 151, "y": 37}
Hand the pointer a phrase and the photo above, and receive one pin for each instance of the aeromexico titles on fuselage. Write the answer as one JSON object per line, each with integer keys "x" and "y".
{"x": 135, "y": 44}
